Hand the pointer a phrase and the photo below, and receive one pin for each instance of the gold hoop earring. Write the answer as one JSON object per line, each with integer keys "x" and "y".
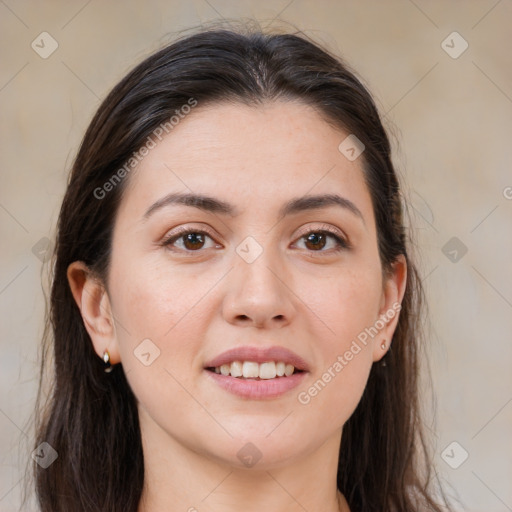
{"x": 106, "y": 360}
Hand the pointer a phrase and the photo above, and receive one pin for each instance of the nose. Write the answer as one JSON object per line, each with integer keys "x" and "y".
{"x": 259, "y": 294}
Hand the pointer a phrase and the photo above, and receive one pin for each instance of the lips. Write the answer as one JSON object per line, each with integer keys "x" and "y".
{"x": 258, "y": 355}
{"x": 254, "y": 389}
{"x": 257, "y": 373}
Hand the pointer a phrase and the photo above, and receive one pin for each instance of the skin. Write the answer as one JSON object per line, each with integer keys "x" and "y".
{"x": 305, "y": 297}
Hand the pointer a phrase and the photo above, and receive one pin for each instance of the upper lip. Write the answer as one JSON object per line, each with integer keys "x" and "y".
{"x": 258, "y": 355}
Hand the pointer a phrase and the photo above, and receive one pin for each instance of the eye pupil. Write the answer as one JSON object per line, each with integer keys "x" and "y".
{"x": 195, "y": 239}
{"x": 315, "y": 239}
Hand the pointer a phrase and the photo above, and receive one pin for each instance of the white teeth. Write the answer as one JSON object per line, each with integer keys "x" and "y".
{"x": 268, "y": 370}
{"x": 236, "y": 369}
{"x": 252, "y": 370}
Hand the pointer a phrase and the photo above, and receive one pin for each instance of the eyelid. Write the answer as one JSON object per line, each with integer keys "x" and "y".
{"x": 325, "y": 227}
{"x": 182, "y": 230}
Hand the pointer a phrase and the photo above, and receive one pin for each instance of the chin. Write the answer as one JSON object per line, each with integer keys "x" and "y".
{"x": 260, "y": 451}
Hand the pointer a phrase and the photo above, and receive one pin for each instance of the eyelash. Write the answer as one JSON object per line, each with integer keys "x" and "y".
{"x": 341, "y": 243}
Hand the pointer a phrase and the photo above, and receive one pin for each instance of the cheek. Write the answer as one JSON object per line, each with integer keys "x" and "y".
{"x": 154, "y": 300}
{"x": 357, "y": 300}
{"x": 333, "y": 395}
{"x": 162, "y": 312}
{"x": 347, "y": 303}
{"x": 170, "y": 308}
{"x": 348, "y": 307}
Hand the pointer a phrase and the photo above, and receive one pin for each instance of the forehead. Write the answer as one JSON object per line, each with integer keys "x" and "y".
{"x": 269, "y": 152}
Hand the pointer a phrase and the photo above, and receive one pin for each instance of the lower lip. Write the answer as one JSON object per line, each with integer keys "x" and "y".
{"x": 257, "y": 389}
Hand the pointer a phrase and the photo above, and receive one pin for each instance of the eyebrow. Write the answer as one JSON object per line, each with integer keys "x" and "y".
{"x": 213, "y": 205}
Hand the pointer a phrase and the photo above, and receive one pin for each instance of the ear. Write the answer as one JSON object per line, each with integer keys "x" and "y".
{"x": 392, "y": 294}
{"x": 94, "y": 304}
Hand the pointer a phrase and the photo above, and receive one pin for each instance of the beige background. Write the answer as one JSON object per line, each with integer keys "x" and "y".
{"x": 452, "y": 118}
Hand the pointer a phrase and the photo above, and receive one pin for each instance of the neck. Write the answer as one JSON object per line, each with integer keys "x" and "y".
{"x": 177, "y": 478}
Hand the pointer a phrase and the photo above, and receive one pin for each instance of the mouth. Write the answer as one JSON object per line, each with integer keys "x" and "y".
{"x": 257, "y": 373}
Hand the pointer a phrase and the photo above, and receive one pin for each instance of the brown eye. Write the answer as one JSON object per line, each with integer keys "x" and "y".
{"x": 316, "y": 241}
{"x": 192, "y": 240}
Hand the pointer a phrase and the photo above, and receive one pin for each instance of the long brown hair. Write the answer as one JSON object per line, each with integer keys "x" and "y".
{"x": 89, "y": 417}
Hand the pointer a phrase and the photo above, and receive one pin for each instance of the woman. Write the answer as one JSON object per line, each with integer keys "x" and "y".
{"x": 235, "y": 314}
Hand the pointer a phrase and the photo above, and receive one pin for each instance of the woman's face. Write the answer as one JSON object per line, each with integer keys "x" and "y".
{"x": 272, "y": 288}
